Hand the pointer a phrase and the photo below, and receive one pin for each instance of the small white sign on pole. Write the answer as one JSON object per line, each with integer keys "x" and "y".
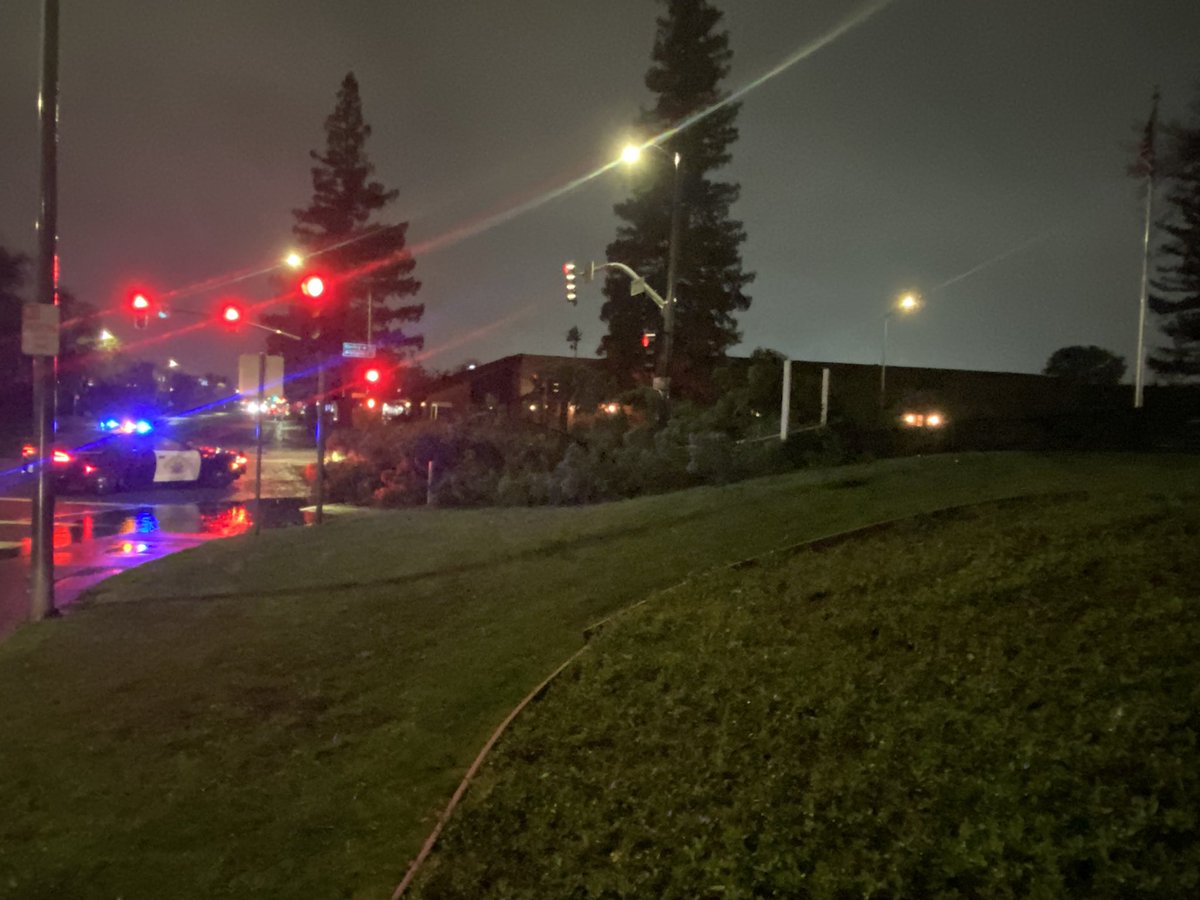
{"x": 39, "y": 329}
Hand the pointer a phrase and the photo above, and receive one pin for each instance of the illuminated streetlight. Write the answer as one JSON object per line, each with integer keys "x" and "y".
{"x": 172, "y": 364}
{"x": 906, "y": 303}
{"x": 106, "y": 336}
{"x": 294, "y": 260}
{"x": 631, "y": 154}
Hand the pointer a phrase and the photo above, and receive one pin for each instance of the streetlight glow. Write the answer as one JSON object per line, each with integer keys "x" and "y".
{"x": 294, "y": 260}
{"x": 631, "y": 153}
{"x": 909, "y": 302}
{"x": 106, "y": 336}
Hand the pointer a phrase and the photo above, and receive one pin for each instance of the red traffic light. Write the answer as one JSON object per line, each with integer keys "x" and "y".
{"x": 231, "y": 313}
{"x": 139, "y": 305}
{"x": 371, "y": 375}
{"x": 312, "y": 286}
{"x": 647, "y": 338}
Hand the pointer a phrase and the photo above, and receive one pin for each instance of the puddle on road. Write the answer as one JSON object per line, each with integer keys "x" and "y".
{"x": 208, "y": 520}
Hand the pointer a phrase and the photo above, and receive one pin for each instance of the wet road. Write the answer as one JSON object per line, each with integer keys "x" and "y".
{"x": 94, "y": 538}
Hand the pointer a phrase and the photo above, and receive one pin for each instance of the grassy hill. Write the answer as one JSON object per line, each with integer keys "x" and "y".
{"x": 284, "y": 716}
{"x": 1000, "y": 703}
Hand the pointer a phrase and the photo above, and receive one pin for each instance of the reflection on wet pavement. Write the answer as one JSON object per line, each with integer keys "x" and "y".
{"x": 93, "y": 541}
{"x": 209, "y": 520}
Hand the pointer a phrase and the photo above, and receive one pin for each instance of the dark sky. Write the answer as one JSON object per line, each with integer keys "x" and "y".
{"x": 934, "y": 139}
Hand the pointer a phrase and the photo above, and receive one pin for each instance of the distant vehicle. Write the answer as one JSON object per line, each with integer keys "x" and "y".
{"x": 135, "y": 457}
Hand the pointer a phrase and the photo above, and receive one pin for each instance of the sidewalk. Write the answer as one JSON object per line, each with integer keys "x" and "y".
{"x": 79, "y": 566}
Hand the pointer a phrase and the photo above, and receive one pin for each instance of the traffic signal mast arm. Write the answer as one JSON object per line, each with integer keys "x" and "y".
{"x": 233, "y": 315}
{"x": 639, "y": 284}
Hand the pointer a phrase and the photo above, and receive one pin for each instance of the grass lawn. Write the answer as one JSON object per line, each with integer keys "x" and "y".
{"x": 1002, "y": 703}
{"x": 284, "y": 716}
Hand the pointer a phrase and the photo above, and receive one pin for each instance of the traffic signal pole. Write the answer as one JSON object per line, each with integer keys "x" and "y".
{"x": 41, "y": 586}
{"x": 258, "y": 441}
{"x": 320, "y": 474}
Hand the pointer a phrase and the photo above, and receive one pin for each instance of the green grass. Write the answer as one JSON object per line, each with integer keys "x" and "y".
{"x": 998, "y": 704}
{"x": 284, "y": 716}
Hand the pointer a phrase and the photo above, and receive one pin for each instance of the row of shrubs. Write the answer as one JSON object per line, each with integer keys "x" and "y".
{"x": 512, "y": 463}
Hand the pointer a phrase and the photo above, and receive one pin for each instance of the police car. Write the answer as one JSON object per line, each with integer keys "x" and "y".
{"x": 128, "y": 455}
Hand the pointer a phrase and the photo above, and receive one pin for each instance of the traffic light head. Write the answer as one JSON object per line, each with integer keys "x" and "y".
{"x": 139, "y": 305}
{"x": 647, "y": 339}
{"x": 231, "y": 314}
{"x": 569, "y": 276}
{"x": 312, "y": 286}
{"x": 371, "y": 375}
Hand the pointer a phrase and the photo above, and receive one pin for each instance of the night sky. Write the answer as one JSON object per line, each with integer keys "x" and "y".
{"x": 973, "y": 150}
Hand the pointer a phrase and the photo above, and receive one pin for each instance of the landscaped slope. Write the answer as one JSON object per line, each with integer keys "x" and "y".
{"x": 1002, "y": 703}
{"x": 284, "y": 716}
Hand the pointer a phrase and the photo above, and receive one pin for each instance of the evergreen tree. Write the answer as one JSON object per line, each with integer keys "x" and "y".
{"x": 1176, "y": 288}
{"x": 13, "y": 274}
{"x": 1085, "y": 365}
{"x": 364, "y": 260}
{"x": 690, "y": 59}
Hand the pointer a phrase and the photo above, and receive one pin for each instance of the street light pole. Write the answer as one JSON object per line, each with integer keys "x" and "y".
{"x": 906, "y": 304}
{"x": 41, "y": 587}
{"x": 662, "y": 369}
{"x": 664, "y": 357}
{"x": 883, "y": 361}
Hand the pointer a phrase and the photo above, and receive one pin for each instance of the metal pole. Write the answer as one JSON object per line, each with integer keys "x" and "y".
{"x": 825, "y": 396}
{"x": 785, "y": 404}
{"x": 42, "y": 526}
{"x": 320, "y": 486}
{"x": 664, "y": 358}
{"x": 883, "y": 361}
{"x": 1139, "y": 360}
{"x": 370, "y": 318}
{"x": 262, "y": 390}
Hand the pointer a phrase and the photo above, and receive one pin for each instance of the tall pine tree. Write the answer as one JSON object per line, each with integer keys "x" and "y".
{"x": 690, "y": 59}
{"x": 1176, "y": 287}
{"x": 363, "y": 259}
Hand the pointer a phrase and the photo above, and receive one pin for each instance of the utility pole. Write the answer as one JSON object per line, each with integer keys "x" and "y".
{"x": 45, "y": 367}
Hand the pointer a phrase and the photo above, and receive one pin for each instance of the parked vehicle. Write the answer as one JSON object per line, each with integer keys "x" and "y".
{"x": 119, "y": 459}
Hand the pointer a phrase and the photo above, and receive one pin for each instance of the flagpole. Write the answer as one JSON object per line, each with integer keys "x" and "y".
{"x": 1140, "y": 364}
{"x": 1146, "y": 163}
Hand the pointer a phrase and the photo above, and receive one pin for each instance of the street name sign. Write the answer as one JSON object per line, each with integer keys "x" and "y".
{"x": 358, "y": 351}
